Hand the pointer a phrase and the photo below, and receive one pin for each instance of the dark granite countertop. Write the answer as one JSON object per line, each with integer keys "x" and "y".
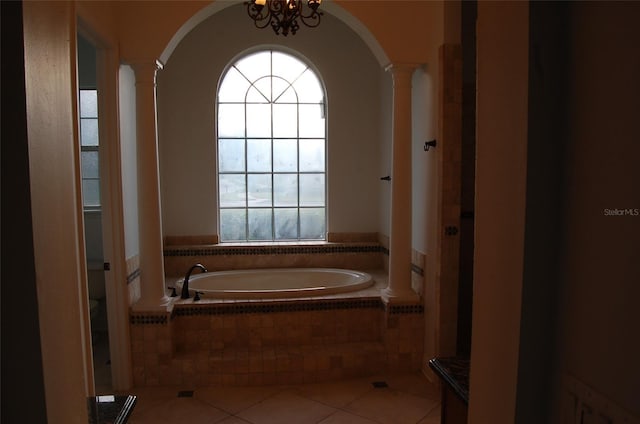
{"x": 455, "y": 373}
{"x": 110, "y": 409}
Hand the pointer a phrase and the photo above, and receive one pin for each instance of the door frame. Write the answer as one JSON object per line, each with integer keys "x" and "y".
{"x": 117, "y": 294}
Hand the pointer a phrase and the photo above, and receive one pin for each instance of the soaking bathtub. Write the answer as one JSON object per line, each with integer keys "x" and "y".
{"x": 276, "y": 283}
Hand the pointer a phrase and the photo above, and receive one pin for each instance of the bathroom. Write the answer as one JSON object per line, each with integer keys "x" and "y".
{"x": 359, "y": 136}
{"x": 508, "y": 301}
{"x": 358, "y": 150}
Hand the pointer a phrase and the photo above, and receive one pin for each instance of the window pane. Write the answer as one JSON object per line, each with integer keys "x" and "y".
{"x": 233, "y": 87}
{"x": 288, "y": 96}
{"x": 287, "y": 66}
{"x": 256, "y": 96}
{"x": 231, "y": 155}
{"x": 258, "y": 120}
{"x": 312, "y": 155}
{"x": 285, "y": 189}
{"x": 91, "y": 192}
{"x": 260, "y": 224}
{"x": 286, "y": 223}
{"x": 230, "y": 120}
{"x": 283, "y": 92}
{"x": 232, "y": 190}
{"x": 260, "y": 92}
{"x": 259, "y": 155}
{"x": 311, "y": 121}
{"x": 232, "y": 224}
{"x": 259, "y": 190}
{"x": 285, "y": 155}
{"x": 285, "y": 120}
{"x": 312, "y": 190}
{"x": 271, "y": 150}
{"x": 309, "y": 88}
{"x": 312, "y": 224}
{"x": 88, "y": 104}
{"x": 255, "y": 65}
{"x": 89, "y": 132}
{"x": 90, "y": 164}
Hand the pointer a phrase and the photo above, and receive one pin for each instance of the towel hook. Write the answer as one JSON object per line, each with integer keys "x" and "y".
{"x": 428, "y": 144}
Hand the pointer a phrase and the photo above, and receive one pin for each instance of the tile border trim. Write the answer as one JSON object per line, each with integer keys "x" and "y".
{"x": 405, "y": 309}
{"x": 148, "y": 318}
{"x": 273, "y": 307}
{"x": 271, "y": 250}
{"x": 279, "y": 250}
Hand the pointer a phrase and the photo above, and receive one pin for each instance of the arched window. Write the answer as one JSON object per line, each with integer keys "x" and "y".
{"x": 271, "y": 150}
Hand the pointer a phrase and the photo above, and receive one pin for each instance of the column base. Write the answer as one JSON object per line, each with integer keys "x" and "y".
{"x": 395, "y": 296}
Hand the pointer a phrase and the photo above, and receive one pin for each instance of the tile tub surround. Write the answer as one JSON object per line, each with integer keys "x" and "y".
{"x": 359, "y": 256}
{"x": 260, "y": 342}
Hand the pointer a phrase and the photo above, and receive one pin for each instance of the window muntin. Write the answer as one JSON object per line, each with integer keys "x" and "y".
{"x": 89, "y": 144}
{"x": 271, "y": 150}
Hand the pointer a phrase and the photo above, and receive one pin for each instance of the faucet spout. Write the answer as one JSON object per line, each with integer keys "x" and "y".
{"x": 185, "y": 283}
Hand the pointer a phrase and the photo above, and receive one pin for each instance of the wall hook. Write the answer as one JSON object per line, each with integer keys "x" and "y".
{"x": 387, "y": 178}
{"x": 428, "y": 144}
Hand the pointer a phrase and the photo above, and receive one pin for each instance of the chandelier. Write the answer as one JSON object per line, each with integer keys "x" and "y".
{"x": 283, "y": 15}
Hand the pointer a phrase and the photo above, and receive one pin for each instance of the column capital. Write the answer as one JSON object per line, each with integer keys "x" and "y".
{"x": 397, "y": 68}
{"x": 145, "y": 69}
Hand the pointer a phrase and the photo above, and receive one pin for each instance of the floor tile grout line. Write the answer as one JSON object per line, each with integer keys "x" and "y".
{"x": 437, "y": 405}
{"x": 337, "y": 411}
{"x": 409, "y": 388}
{"x": 391, "y": 389}
{"x": 277, "y": 391}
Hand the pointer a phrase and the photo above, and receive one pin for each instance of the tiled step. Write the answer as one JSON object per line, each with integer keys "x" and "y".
{"x": 278, "y": 365}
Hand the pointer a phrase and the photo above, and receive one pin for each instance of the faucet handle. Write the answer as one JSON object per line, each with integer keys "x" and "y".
{"x": 173, "y": 291}
{"x": 197, "y": 296}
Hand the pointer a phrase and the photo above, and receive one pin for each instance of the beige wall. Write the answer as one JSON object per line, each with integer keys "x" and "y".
{"x": 186, "y": 117}
{"x": 99, "y": 19}
{"x": 147, "y": 28}
{"x": 593, "y": 274}
{"x": 599, "y": 309}
{"x": 502, "y": 74}
{"x": 408, "y": 31}
{"x": 56, "y": 211}
{"x": 187, "y": 121}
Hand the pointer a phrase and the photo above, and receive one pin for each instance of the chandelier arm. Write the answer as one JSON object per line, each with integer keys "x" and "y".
{"x": 311, "y": 20}
{"x": 276, "y": 7}
{"x": 260, "y": 20}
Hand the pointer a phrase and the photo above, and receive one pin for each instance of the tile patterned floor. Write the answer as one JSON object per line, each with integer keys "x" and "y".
{"x": 407, "y": 399}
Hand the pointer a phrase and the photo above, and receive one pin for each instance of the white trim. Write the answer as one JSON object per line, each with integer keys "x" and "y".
{"x": 327, "y": 6}
{"x": 117, "y": 295}
{"x": 113, "y": 221}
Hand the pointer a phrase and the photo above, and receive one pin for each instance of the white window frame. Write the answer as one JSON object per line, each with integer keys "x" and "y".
{"x": 245, "y": 137}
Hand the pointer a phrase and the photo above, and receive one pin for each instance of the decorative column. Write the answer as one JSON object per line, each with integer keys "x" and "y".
{"x": 399, "y": 288}
{"x": 153, "y": 295}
